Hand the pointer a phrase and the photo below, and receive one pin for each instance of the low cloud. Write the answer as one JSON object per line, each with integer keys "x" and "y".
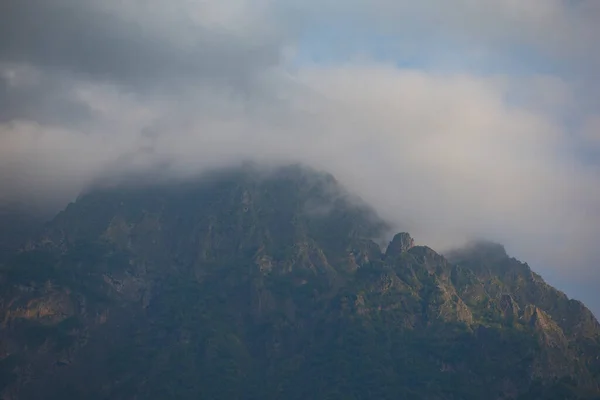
{"x": 448, "y": 151}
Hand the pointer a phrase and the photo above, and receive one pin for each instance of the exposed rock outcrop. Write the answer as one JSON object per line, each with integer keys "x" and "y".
{"x": 402, "y": 242}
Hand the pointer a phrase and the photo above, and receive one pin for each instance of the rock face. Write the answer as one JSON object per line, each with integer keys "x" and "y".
{"x": 508, "y": 307}
{"x": 401, "y": 243}
{"x": 248, "y": 285}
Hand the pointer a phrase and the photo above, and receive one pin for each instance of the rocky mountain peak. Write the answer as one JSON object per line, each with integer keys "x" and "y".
{"x": 402, "y": 242}
{"x": 248, "y": 286}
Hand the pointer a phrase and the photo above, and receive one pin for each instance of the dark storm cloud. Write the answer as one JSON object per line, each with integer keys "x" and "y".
{"x": 94, "y": 42}
{"x": 47, "y": 101}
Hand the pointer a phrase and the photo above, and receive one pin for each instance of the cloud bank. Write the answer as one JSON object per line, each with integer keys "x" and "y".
{"x": 455, "y": 120}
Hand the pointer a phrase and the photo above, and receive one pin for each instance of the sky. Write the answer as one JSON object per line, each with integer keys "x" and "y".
{"x": 456, "y": 120}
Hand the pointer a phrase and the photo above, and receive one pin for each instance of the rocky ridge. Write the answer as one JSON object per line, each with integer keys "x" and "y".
{"x": 248, "y": 286}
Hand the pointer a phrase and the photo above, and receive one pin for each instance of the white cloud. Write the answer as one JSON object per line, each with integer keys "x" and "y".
{"x": 445, "y": 156}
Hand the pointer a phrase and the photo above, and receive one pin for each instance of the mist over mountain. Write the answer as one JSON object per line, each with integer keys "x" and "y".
{"x": 262, "y": 283}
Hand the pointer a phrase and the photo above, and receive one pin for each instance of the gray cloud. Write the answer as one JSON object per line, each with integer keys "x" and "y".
{"x": 106, "y": 43}
{"x": 94, "y": 90}
{"x": 562, "y": 30}
{"x": 41, "y": 96}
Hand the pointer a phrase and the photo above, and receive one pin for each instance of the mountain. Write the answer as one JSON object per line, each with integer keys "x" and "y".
{"x": 253, "y": 284}
{"x": 16, "y": 226}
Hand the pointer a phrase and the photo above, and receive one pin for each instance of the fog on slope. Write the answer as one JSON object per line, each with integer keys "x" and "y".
{"x": 448, "y": 154}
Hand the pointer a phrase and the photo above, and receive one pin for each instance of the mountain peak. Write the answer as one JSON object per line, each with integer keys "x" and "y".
{"x": 401, "y": 243}
{"x": 254, "y": 282}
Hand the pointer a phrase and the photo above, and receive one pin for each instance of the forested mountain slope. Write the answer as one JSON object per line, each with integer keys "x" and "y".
{"x": 252, "y": 285}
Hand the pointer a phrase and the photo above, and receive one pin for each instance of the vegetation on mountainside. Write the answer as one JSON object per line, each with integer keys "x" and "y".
{"x": 250, "y": 286}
